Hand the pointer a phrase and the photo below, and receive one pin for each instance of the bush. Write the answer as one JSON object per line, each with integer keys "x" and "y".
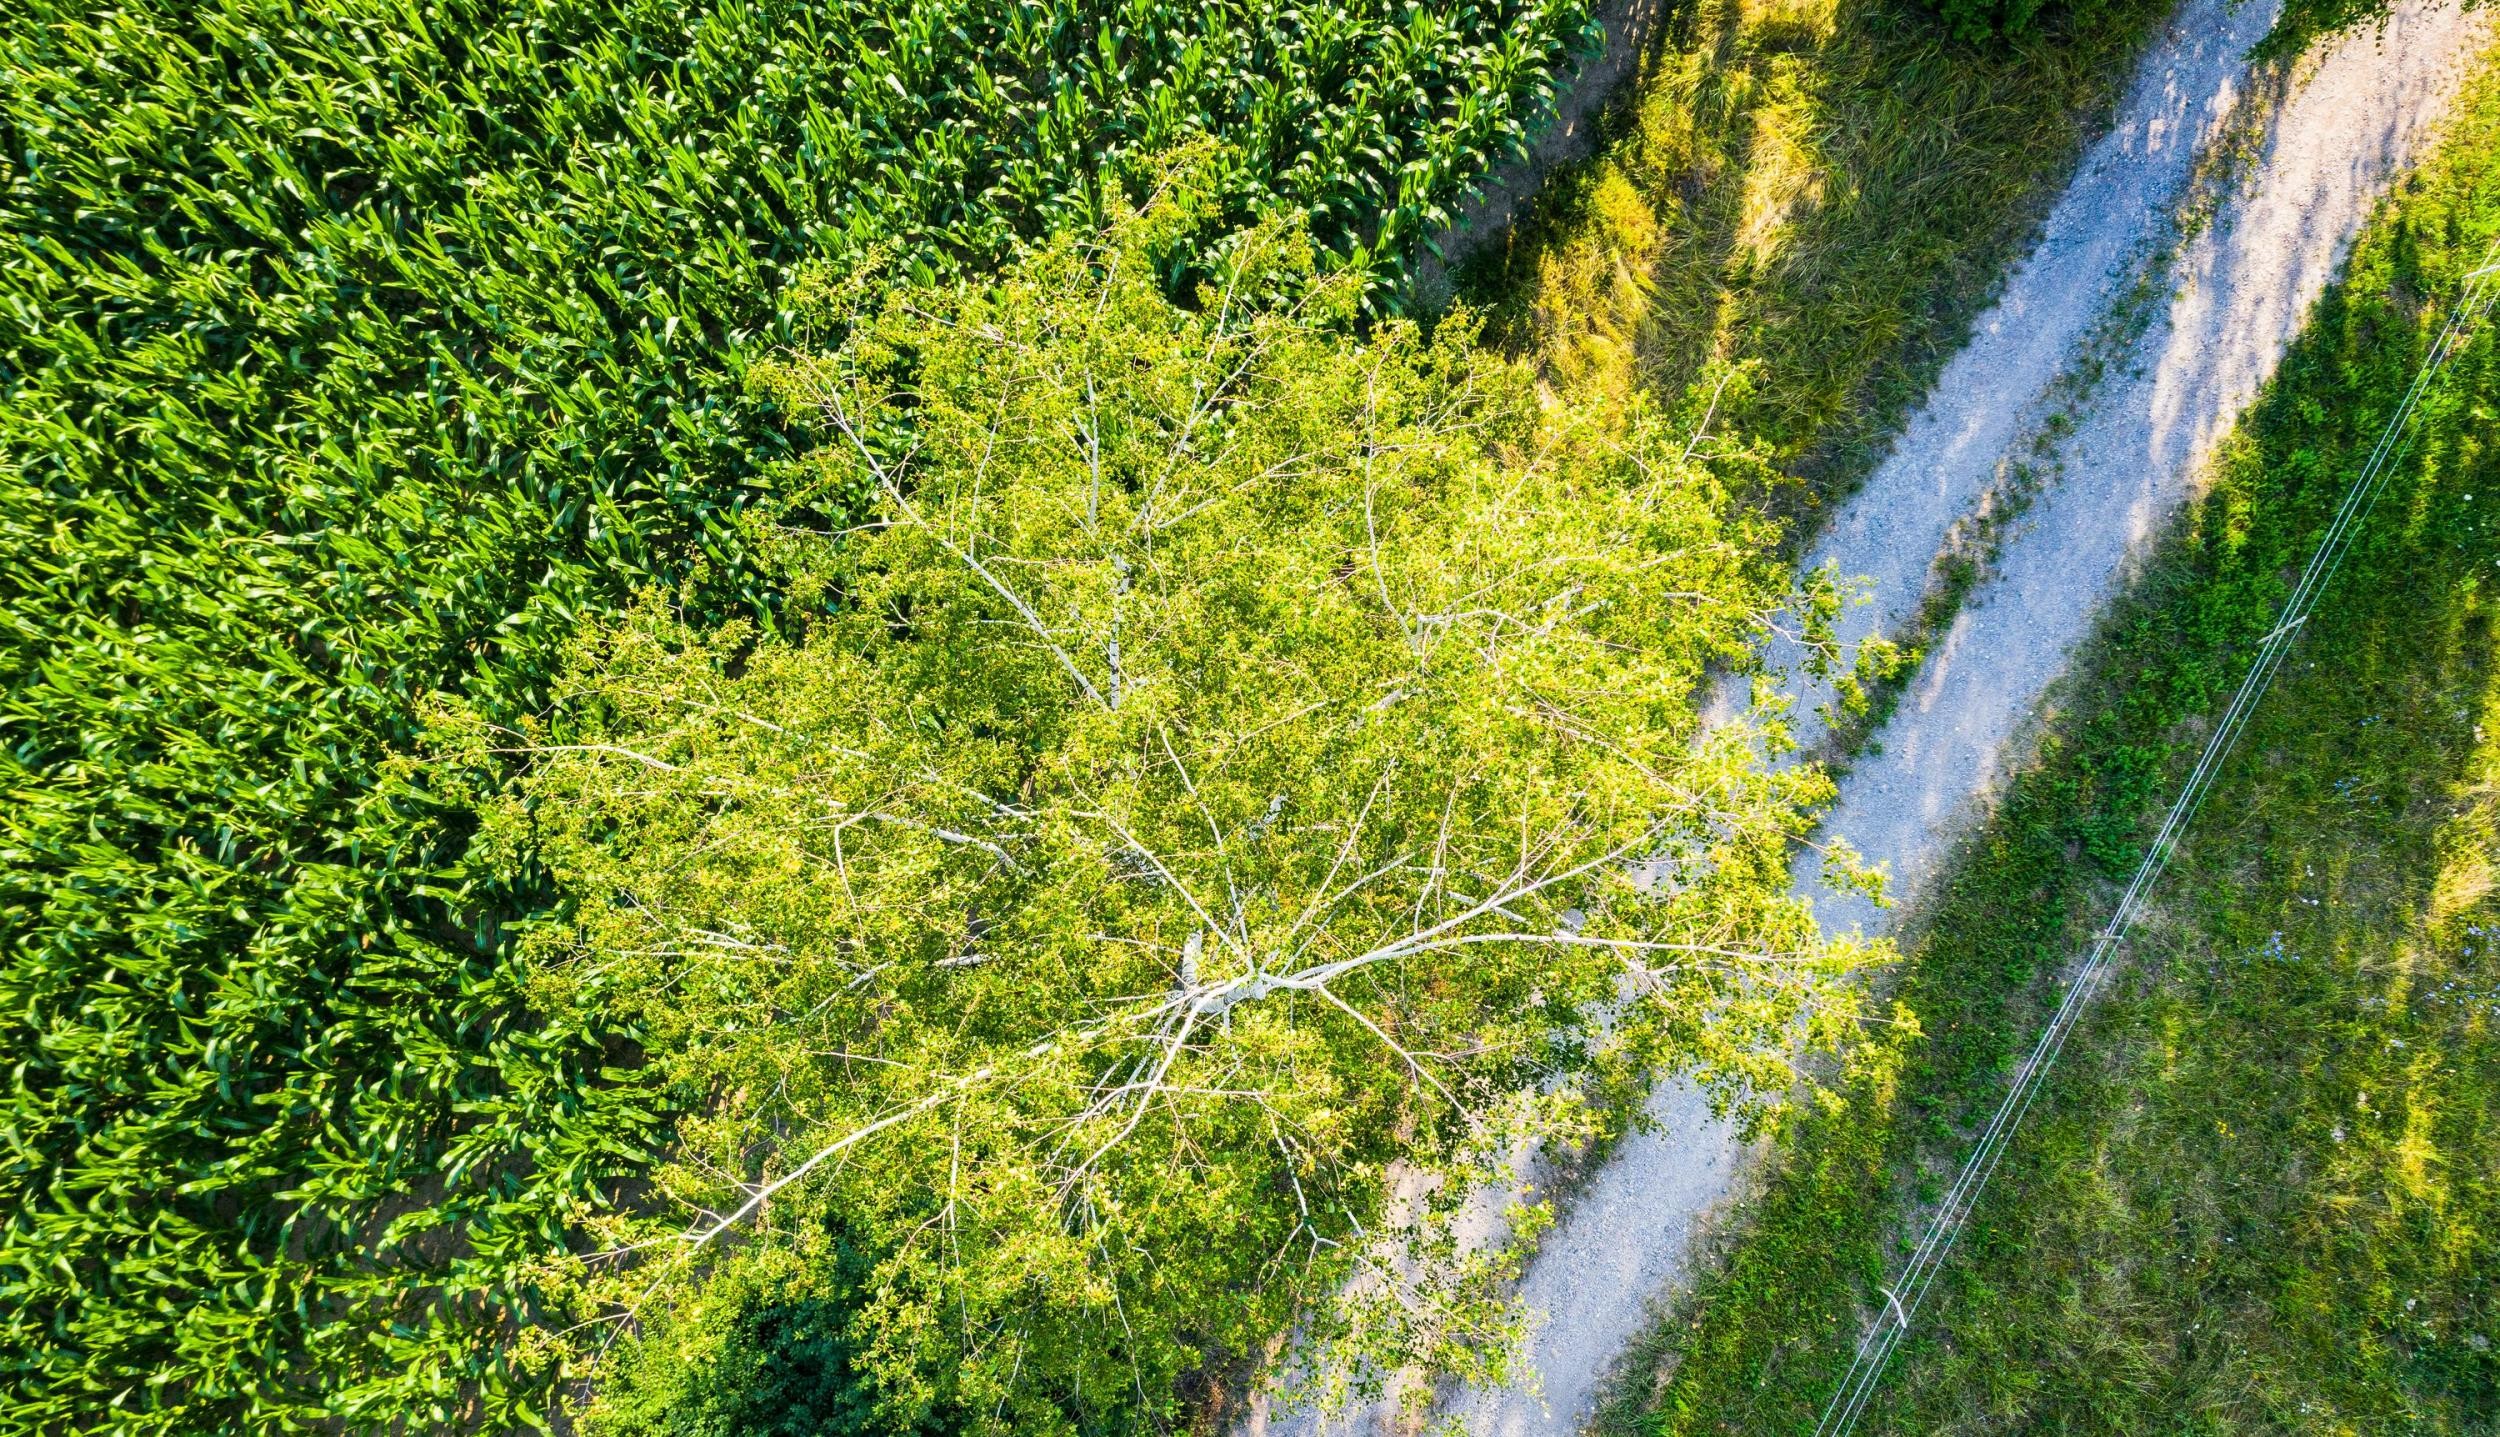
{"x": 2302, "y": 23}
{"x": 2305, "y": 22}
{"x": 357, "y": 349}
{"x": 770, "y": 1352}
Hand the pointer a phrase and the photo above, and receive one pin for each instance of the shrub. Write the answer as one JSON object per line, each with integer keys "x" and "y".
{"x": 2302, "y": 23}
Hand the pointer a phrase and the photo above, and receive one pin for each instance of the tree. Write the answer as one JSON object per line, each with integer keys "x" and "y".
{"x": 2304, "y": 23}
{"x": 1237, "y": 756}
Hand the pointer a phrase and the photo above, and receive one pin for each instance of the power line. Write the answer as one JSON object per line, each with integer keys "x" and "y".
{"x": 1944, "y": 1229}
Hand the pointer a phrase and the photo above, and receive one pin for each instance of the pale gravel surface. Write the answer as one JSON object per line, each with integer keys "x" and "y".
{"x": 2232, "y": 299}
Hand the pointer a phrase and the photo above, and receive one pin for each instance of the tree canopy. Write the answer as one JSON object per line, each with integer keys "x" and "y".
{"x": 1237, "y": 757}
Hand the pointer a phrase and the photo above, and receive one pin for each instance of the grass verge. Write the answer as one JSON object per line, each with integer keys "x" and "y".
{"x": 1806, "y": 202}
{"x": 2263, "y": 1193}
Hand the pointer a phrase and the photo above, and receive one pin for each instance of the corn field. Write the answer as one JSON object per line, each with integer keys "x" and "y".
{"x": 356, "y": 351}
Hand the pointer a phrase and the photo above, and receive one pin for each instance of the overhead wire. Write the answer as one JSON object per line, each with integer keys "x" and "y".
{"x": 1909, "y": 1291}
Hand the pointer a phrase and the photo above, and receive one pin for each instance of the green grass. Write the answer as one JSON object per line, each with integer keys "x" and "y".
{"x": 1814, "y": 196}
{"x": 2263, "y": 1192}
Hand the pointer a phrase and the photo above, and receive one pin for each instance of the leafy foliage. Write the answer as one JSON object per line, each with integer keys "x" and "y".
{"x": 767, "y": 1351}
{"x": 1232, "y": 757}
{"x": 353, "y": 349}
{"x": 2301, "y": 23}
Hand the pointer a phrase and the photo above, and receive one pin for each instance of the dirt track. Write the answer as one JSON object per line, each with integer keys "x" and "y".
{"x": 2095, "y": 398}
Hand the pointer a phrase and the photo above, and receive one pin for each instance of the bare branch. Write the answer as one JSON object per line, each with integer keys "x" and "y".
{"x": 902, "y": 502}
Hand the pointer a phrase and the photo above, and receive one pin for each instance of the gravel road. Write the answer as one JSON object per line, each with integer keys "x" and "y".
{"x": 2140, "y": 384}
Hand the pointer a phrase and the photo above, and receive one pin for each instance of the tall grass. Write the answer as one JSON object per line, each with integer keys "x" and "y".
{"x": 1808, "y": 201}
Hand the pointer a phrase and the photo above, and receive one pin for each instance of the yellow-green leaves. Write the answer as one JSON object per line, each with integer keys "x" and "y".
{"x": 1240, "y": 756}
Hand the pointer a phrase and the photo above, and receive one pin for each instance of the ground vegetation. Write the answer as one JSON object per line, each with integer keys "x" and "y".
{"x": 1799, "y": 207}
{"x": 2259, "y": 1194}
{"x": 358, "y": 357}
